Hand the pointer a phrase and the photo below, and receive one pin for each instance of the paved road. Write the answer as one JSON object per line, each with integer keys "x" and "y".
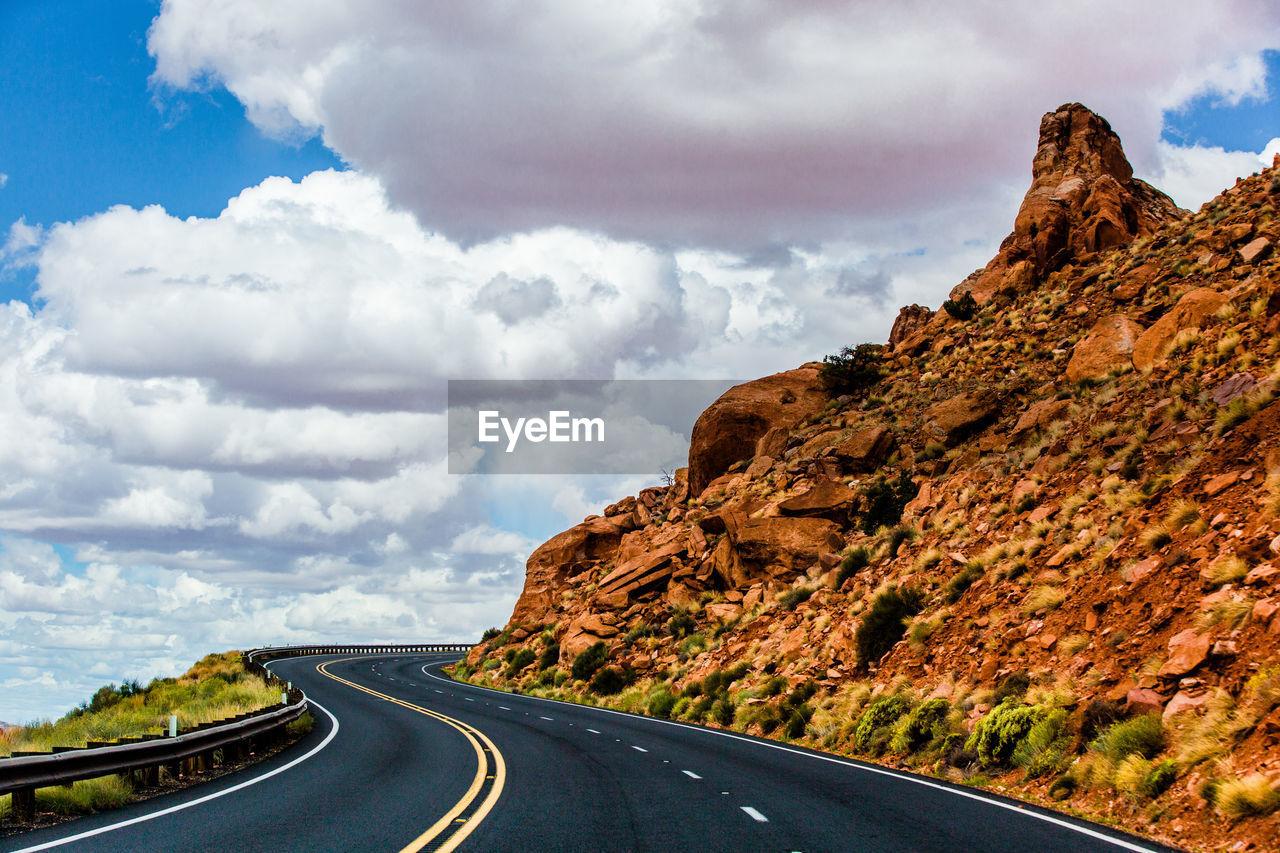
{"x": 416, "y": 761}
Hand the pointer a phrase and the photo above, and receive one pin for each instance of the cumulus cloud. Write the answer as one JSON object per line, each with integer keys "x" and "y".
{"x": 237, "y": 422}
{"x": 700, "y": 121}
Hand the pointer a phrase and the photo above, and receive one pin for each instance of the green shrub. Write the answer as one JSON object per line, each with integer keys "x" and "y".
{"x": 722, "y": 712}
{"x": 854, "y": 369}
{"x": 1142, "y": 735}
{"x": 1158, "y": 780}
{"x": 1000, "y": 732}
{"x": 960, "y": 582}
{"x": 518, "y": 659}
{"x": 608, "y": 681}
{"x": 1047, "y": 746}
{"x": 774, "y": 686}
{"x": 876, "y": 719}
{"x": 798, "y": 720}
{"x": 681, "y": 624}
{"x": 926, "y": 723}
{"x": 586, "y": 664}
{"x": 855, "y": 561}
{"x": 489, "y": 634}
{"x": 963, "y": 308}
{"x": 550, "y": 656}
{"x": 884, "y": 501}
{"x": 792, "y": 598}
{"x": 885, "y": 622}
{"x": 661, "y": 703}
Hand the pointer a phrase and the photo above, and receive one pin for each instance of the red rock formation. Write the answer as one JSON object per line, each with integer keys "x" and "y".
{"x": 733, "y": 427}
{"x": 1083, "y": 199}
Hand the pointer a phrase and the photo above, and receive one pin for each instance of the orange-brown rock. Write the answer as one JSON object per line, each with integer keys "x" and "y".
{"x": 641, "y": 571}
{"x": 825, "y": 499}
{"x": 1083, "y": 199}
{"x": 1187, "y": 650}
{"x": 731, "y": 427}
{"x": 1193, "y": 309}
{"x": 910, "y": 322}
{"x": 1109, "y": 344}
{"x": 956, "y": 418}
{"x": 866, "y": 450}
{"x": 779, "y": 546}
{"x": 561, "y": 556}
{"x": 1039, "y": 416}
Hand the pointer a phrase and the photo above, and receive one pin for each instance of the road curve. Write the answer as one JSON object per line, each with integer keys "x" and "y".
{"x": 419, "y": 762}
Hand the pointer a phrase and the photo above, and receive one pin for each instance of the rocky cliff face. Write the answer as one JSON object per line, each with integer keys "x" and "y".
{"x": 1044, "y": 547}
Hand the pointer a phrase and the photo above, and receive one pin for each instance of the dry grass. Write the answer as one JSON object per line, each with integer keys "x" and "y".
{"x": 1043, "y": 597}
{"x": 1246, "y": 796}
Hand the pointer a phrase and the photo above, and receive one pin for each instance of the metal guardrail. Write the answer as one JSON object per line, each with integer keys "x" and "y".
{"x": 21, "y": 775}
{"x": 253, "y": 656}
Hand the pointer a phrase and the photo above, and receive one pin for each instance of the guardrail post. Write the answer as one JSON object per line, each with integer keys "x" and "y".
{"x": 24, "y": 805}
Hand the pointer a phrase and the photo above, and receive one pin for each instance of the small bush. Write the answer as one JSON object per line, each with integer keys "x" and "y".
{"x": 681, "y": 624}
{"x": 608, "y": 681}
{"x": 792, "y": 598}
{"x": 661, "y": 703}
{"x": 875, "y": 720}
{"x": 1099, "y": 715}
{"x": 853, "y": 370}
{"x": 1014, "y": 686}
{"x": 1000, "y": 732}
{"x": 853, "y": 562}
{"x": 550, "y": 656}
{"x": 1246, "y": 796}
{"x": 1142, "y": 735}
{"x": 885, "y": 500}
{"x": 518, "y": 661}
{"x": 885, "y": 623}
{"x": 960, "y": 582}
{"x": 926, "y": 724}
{"x": 489, "y": 634}
{"x": 963, "y": 308}
{"x": 1047, "y": 746}
{"x": 586, "y": 664}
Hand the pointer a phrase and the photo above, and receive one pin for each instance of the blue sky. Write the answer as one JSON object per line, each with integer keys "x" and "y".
{"x": 221, "y": 426}
{"x": 84, "y": 130}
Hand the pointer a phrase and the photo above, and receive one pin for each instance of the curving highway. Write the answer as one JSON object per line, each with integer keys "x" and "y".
{"x": 402, "y": 758}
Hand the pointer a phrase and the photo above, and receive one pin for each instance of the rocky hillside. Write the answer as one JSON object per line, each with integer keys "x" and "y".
{"x": 1031, "y": 542}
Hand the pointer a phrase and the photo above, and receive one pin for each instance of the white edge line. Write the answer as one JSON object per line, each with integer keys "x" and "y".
{"x": 206, "y": 798}
{"x": 1016, "y": 808}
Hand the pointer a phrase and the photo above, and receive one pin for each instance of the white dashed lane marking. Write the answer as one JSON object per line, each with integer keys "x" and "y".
{"x": 549, "y": 719}
{"x": 639, "y": 748}
{"x": 755, "y": 815}
{"x": 691, "y": 774}
{"x": 503, "y": 708}
{"x": 593, "y": 731}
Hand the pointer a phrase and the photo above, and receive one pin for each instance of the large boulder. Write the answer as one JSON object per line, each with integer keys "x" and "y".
{"x": 825, "y": 499}
{"x": 780, "y": 546}
{"x": 952, "y": 420}
{"x": 1108, "y": 344}
{"x": 1083, "y": 198}
{"x": 563, "y": 555}
{"x": 911, "y": 320}
{"x": 865, "y": 450}
{"x": 1191, "y": 312}
{"x": 732, "y": 427}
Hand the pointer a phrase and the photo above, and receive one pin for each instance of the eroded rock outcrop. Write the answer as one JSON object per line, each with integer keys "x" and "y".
{"x": 751, "y": 419}
{"x": 1083, "y": 199}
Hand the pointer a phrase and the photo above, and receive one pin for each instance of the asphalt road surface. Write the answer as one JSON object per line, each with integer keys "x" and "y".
{"x": 402, "y": 758}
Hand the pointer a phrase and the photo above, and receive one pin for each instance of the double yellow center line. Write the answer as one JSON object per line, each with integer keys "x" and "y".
{"x": 462, "y": 827}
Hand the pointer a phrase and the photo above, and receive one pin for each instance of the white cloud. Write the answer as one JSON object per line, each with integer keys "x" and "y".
{"x": 1192, "y": 175}
{"x": 4, "y": 179}
{"x": 237, "y": 421}
{"x": 693, "y": 121}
